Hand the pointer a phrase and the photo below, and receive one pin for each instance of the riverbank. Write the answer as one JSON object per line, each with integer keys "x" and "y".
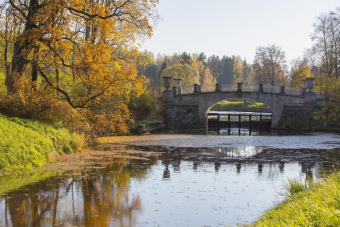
{"x": 316, "y": 206}
{"x": 26, "y": 144}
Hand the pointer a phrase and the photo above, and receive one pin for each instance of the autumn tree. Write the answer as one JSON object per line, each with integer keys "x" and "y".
{"x": 208, "y": 77}
{"x": 269, "y": 63}
{"x": 198, "y": 65}
{"x": 174, "y": 60}
{"x": 185, "y": 72}
{"x": 84, "y": 50}
{"x": 238, "y": 69}
{"x": 92, "y": 39}
{"x": 147, "y": 66}
{"x": 298, "y": 76}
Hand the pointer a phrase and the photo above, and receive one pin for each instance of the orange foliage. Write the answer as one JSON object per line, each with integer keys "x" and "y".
{"x": 86, "y": 52}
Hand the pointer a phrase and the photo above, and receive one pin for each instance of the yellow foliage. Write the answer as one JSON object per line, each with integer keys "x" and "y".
{"x": 94, "y": 44}
{"x": 299, "y": 75}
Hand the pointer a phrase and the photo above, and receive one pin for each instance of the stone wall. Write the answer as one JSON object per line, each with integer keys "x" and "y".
{"x": 182, "y": 116}
{"x": 299, "y": 118}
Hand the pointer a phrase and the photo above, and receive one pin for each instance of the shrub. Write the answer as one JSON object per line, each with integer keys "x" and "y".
{"x": 293, "y": 186}
{"x": 330, "y": 112}
{"x": 145, "y": 107}
{"x": 44, "y": 109}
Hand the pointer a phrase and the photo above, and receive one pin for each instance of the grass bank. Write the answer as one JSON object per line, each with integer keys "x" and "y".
{"x": 238, "y": 104}
{"x": 25, "y": 144}
{"x": 317, "y": 206}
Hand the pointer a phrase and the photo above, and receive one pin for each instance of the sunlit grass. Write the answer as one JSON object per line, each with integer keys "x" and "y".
{"x": 319, "y": 205}
{"x": 238, "y": 104}
{"x": 25, "y": 144}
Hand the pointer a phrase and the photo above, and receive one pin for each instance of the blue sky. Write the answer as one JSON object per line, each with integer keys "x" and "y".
{"x": 235, "y": 27}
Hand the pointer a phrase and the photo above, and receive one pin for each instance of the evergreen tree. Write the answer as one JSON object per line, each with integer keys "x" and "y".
{"x": 227, "y": 75}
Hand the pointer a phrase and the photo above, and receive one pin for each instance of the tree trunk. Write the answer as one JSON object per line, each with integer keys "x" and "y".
{"x": 19, "y": 60}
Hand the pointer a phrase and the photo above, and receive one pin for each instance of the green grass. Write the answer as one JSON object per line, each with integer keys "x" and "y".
{"x": 235, "y": 104}
{"x": 319, "y": 205}
{"x": 25, "y": 144}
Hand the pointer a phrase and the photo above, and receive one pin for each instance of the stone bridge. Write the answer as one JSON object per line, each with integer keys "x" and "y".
{"x": 187, "y": 107}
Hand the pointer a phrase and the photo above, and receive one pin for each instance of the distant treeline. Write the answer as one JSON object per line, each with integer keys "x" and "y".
{"x": 194, "y": 68}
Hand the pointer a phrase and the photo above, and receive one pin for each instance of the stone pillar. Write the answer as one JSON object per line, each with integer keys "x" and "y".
{"x": 179, "y": 90}
{"x": 282, "y": 91}
{"x": 178, "y": 82}
{"x": 310, "y": 83}
{"x": 239, "y": 87}
{"x": 195, "y": 88}
{"x": 174, "y": 91}
{"x": 218, "y": 87}
{"x": 239, "y": 90}
{"x": 178, "y": 85}
{"x": 310, "y": 96}
{"x": 167, "y": 82}
{"x": 167, "y": 95}
{"x": 261, "y": 88}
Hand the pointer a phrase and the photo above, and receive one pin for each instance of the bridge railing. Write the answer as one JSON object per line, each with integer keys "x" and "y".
{"x": 293, "y": 91}
{"x": 271, "y": 89}
{"x": 250, "y": 87}
{"x": 228, "y": 87}
{"x": 187, "y": 90}
{"x": 208, "y": 87}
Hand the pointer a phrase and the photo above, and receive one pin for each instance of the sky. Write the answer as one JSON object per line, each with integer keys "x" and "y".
{"x": 235, "y": 27}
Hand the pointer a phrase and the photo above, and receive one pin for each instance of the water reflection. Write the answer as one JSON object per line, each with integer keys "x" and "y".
{"x": 166, "y": 173}
{"x": 206, "y": 188}
{"x": 238, "y": 152}
{"x": 98, "y": 197}
{"x": 259, "y": 168}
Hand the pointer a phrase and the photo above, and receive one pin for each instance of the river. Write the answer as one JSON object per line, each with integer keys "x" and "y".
{"x": 195, "y": 180}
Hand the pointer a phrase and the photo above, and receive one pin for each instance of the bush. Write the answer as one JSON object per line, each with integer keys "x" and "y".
{"x": 146, "y": 107}
{"x": 330, "y": 112}
{"x": 44, "y": 109}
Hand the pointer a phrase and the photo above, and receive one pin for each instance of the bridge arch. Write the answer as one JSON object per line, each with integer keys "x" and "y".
{"x": 209, "y": 101}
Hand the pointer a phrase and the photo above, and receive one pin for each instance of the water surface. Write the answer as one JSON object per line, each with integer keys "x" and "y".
{"x": 197, "y": 181}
